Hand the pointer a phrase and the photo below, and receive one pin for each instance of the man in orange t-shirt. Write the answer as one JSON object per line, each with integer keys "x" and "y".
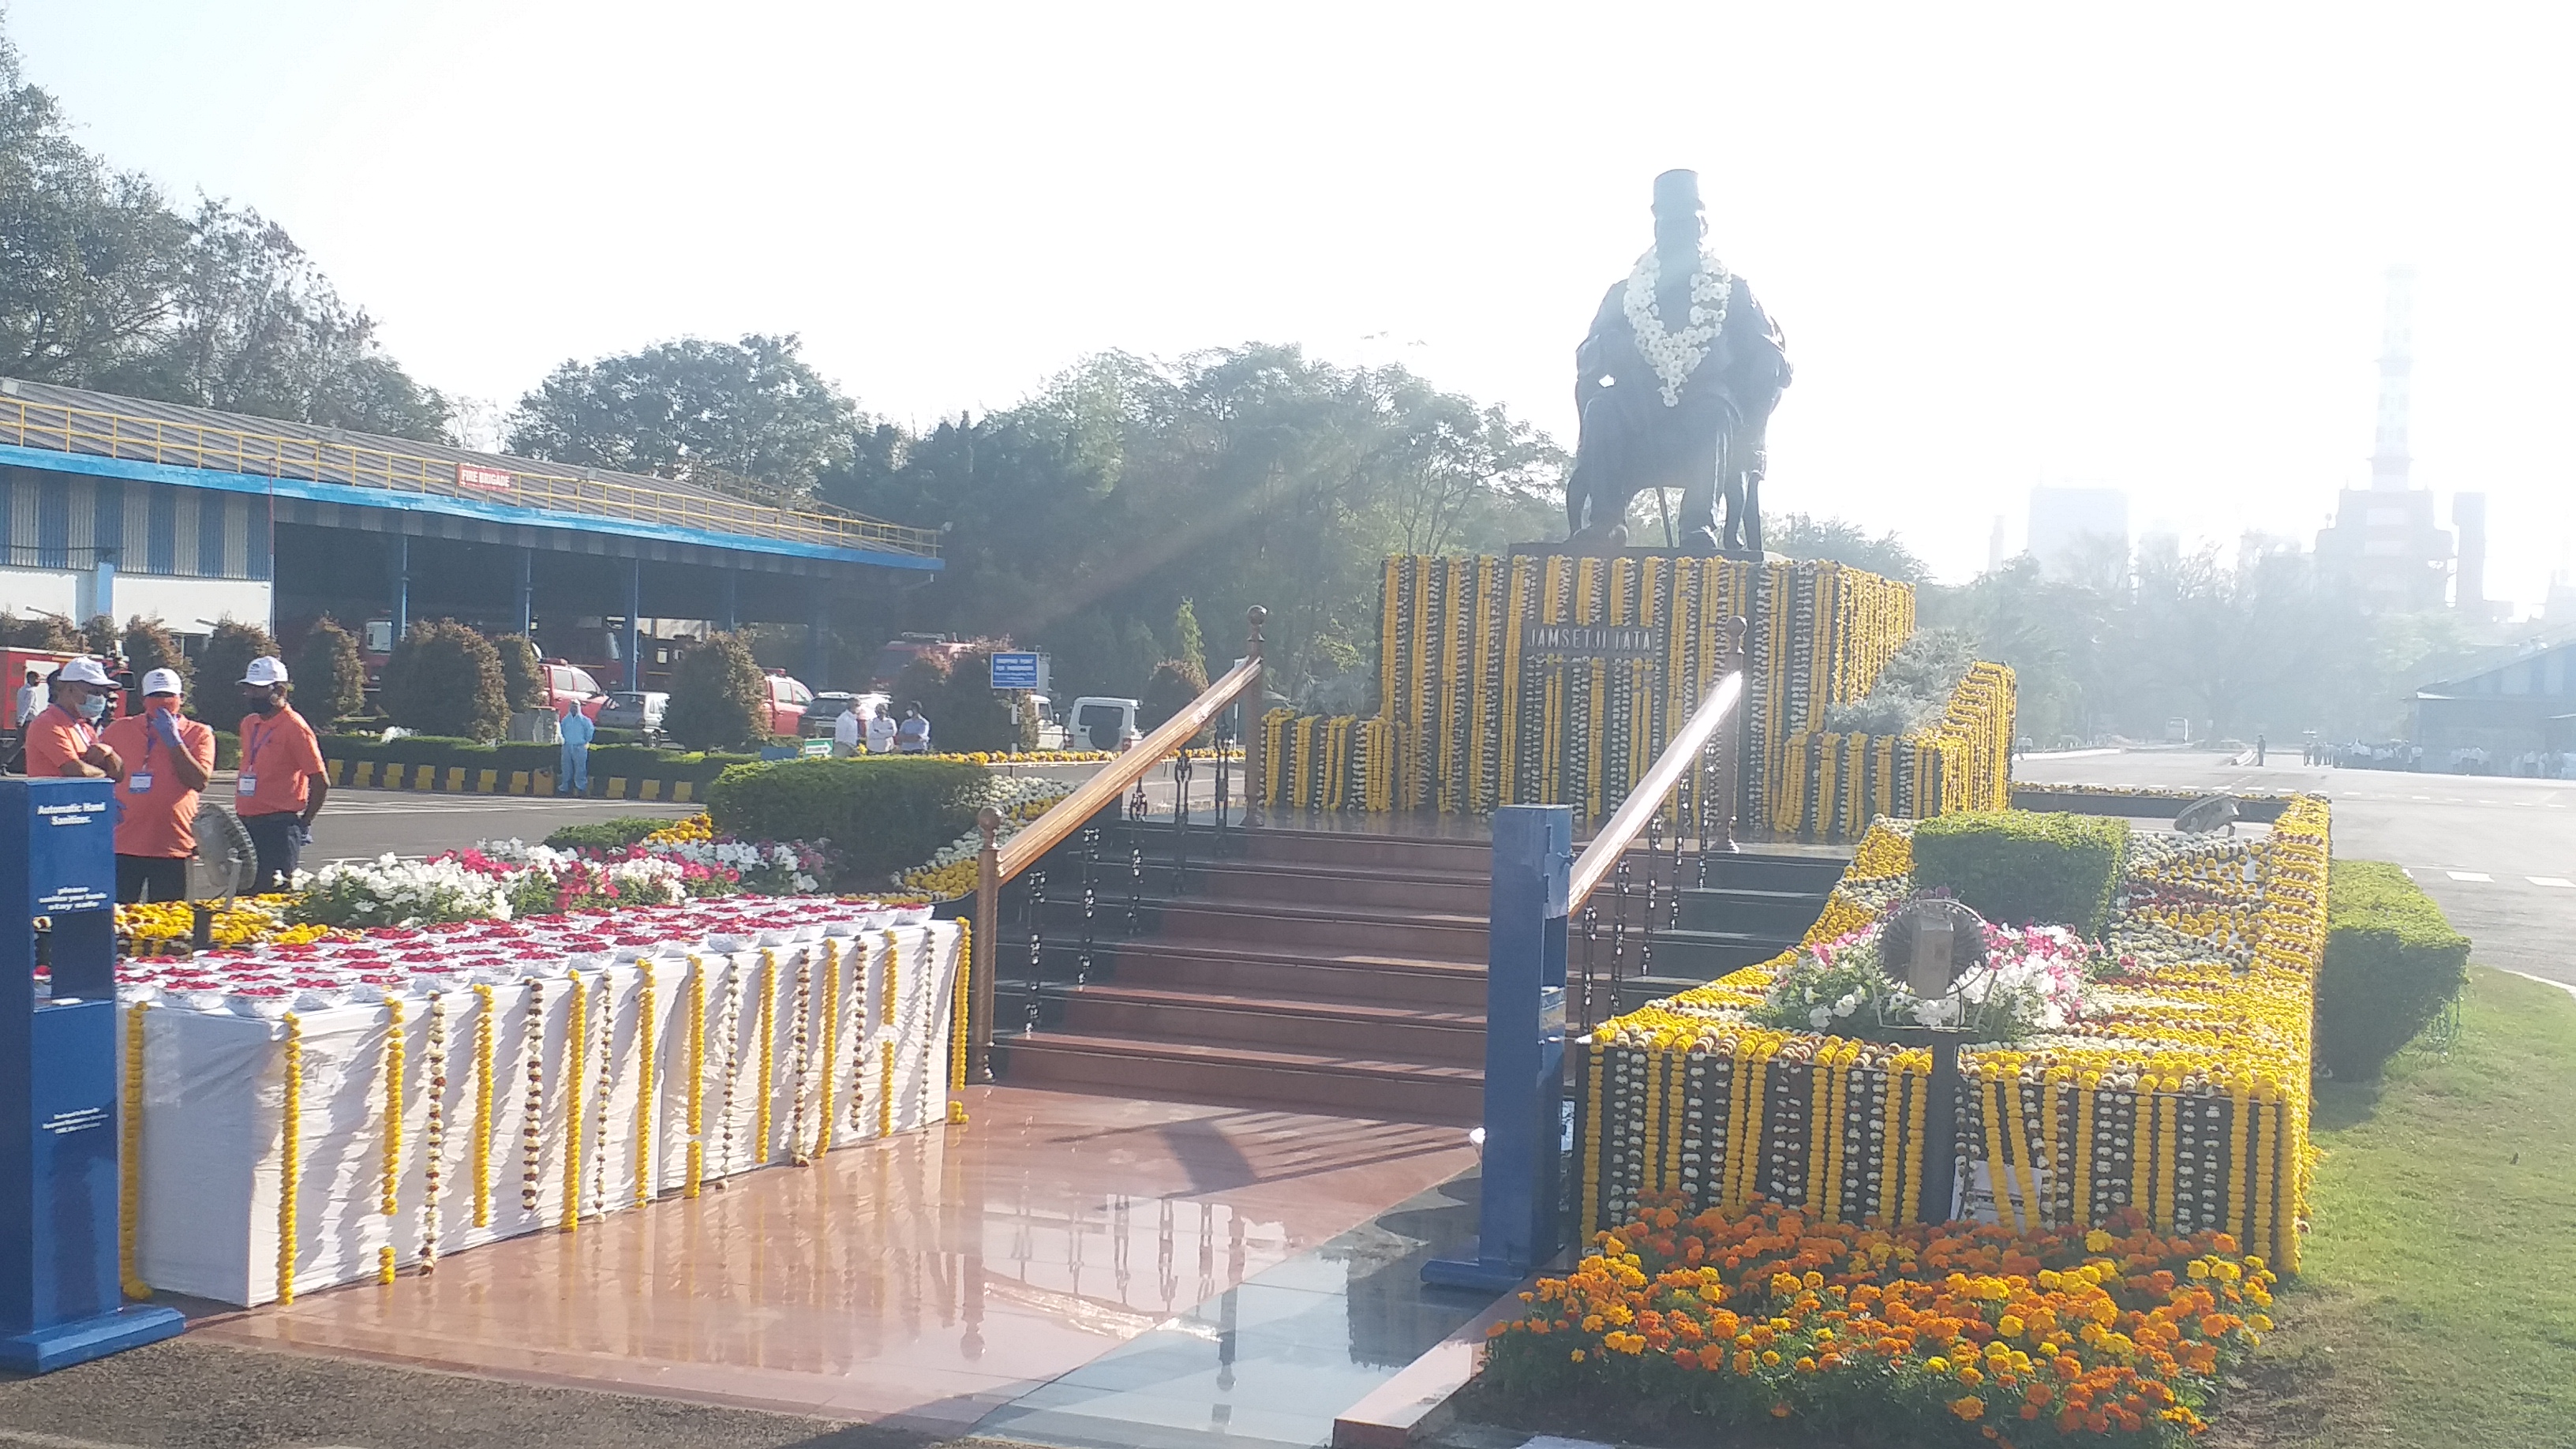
{"x": 168, "y": 759}
{"x": 282, "y": 785}
{"x": 62, "y": 740}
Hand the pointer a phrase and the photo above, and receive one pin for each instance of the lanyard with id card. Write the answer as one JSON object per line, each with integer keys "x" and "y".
{"x": 247, "y": 783}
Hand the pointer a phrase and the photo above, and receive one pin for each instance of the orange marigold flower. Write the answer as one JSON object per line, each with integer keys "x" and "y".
{"x": 1968, "y": 1406}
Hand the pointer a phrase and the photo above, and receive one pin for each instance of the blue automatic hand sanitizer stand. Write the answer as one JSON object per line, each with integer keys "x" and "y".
{"x": 60, "y": 1302}
{"x": 1517, "y": 1214}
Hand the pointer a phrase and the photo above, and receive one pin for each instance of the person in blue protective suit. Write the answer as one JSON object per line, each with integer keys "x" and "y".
{"x": 573, "y": 776}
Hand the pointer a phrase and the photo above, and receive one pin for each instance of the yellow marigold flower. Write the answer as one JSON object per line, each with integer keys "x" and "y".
{"x": 1770, "y": 1358}
{"x": 1971, "y": 1377}
{"x": 2097, "y": 1241}
{"x": 2010, "y": 1326}
{"x": 1937, "y": 1364}
{"x": 2260, "y": 1323}
{"x": 1576, "y": 1355}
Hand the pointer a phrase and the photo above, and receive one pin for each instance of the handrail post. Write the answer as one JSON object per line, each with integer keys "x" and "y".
{"x": 1730, "y": 747}
{"x": 988, "y": 940}
{"x": 1252, "y": 732}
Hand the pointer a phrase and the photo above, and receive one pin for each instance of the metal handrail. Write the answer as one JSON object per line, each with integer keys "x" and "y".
{"x": 1646, "y": 801}
{"x": 1000, "y": 863}
{"x": 64, "y": 428}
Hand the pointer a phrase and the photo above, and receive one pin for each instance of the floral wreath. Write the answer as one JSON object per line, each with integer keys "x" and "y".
{"x": 1676, "y": 355}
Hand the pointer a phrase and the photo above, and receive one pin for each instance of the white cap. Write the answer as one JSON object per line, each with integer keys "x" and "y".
{"x": 84, "y": 671}
{"x": 162, "y": 681}
{"x": 267, "y": 669}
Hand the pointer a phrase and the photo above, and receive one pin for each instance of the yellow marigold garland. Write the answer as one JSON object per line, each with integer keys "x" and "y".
{"x": 392, "y": 1130}
{"x": 768, "y": 1057}
{"x": 696, "y": 1057}
{"x": 885, "y": 1090}
{"x": 129, "y": 1165}
{"x": 960, "y": 1009}
{"x": 831, "y": 1043}
{"x": 433, "y": 1137}
{"x": 290, "y": 1164}
{"x": 576, "y": 1032}
{"x": 644, "y": 1044}
{"x": 483, "y": 1050}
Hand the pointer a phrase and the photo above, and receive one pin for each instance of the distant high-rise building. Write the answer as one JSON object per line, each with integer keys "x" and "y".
{"x": 2384, "y": 540}
{"x": 1995, "y": 546}
{"x": 2079, "y": 532}
{"x": 2469, "y": 589}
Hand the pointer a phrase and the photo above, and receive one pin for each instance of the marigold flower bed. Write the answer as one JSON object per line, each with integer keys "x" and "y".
{"x": 1949, "y": 1333}
{"x": 2185, "y": 1099}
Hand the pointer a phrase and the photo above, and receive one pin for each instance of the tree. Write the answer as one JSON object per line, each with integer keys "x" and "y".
{"x": 39, "y": 631}
{"x": 523, "y": 678}
{"x": 925, "y": 684}
{"x": 1803, "y": 536}
{"x": 719, "y": 699}
{"x": 148, "y": 646}
{"x": 1175, "y": 683}
{"x": 974, "y": 715}
{"x": 711, "y": 412}
{"x": 330, "y": 678}
{"x": 102, "y": 285}
{"x": 220, "y": 666}
{"x": 445, "y": 679}
{"x": 98, "y": 636}
{"x": 1187, "y": 641}
{"x": 87, "y": 254}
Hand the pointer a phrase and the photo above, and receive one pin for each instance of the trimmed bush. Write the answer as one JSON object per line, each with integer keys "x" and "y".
{"x": 2392, "y": 963}
{"x": 148, "y": 646}
{"x": 972, "y": 715}
{"x": 39, "y": 631}
{"x": 881, "y": 815}
{"x": 1175, "y": 683}
{"x": 615, "y": 833}
{"x": 633, "y": 762}
{"x": 227, "y": 750}
{"x": 523, "y": 683}
{"x": 603, "y": 736}
{"x": 228, "y": 653}
{"x": 2019, "y": 867}
{"x": 719, "y": 699}
{"x": 445, "y": 679}
{"x": 330, "y": 679}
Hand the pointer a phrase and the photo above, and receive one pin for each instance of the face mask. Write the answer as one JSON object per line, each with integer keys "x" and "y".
{"x": 94, "y": 706}
{"x": 261, "y": 704}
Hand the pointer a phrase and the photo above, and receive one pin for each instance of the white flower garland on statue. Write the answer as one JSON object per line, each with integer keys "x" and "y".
{"x": 1676, "y": 355}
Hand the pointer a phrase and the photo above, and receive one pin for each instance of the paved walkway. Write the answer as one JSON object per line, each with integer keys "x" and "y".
{"x": 1258, "y": 1267}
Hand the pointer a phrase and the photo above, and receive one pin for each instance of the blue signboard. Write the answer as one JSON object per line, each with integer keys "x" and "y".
{"x": 1016, "y": 671}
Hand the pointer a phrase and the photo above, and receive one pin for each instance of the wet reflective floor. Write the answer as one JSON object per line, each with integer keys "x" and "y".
{"x": 1064, "y": 1268}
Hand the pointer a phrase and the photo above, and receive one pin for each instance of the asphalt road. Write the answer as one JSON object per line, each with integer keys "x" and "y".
{"x": 364, "y": 824}
{"x": 2498, "y": 853}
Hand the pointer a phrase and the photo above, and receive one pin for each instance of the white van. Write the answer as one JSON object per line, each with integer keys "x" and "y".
{"x": 1101, "y": 723}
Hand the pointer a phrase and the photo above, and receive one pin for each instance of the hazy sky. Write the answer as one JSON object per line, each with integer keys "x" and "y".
{"x": 2009, "y": 245}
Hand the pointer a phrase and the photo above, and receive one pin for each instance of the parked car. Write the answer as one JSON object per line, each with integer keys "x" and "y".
{"x": 1101, "y": 723}
{"x": 634, "y": 709}
{"x": 570, "y": 687}
{"x": 788, "y": 702}
{"x": 825, "y": 712}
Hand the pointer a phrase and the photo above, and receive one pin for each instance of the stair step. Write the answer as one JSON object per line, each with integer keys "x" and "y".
{"x": 1261, "y": 971}
{"x": 1361, "y": 851}
{"x": 1404, "y": 1032}
{"x": 1283, "y": 925}
{"x": 1411, "y": 1091}
{"x": 1448, "y": 892}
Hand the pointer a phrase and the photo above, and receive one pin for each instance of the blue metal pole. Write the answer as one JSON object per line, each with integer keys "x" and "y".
{"x": 528, "y": 593}
{"x": 402, "y": 586}
{"x": 634, "y": 621}
{"x": 1518, "y": 1227}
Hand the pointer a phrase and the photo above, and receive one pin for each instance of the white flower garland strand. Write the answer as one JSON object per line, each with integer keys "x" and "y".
{"x": 433, "y": 1139}
{"x": 729, "y": 1026}
{"x": 1675, "y": 355}
{"x": 532, "y": 1040}
{"x": 607, "y": 1085}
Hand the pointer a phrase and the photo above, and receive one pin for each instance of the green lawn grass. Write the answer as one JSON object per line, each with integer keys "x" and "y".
{"x": 2437, "y": 1301}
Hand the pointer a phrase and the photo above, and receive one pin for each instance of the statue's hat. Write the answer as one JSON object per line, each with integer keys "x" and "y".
{"x": 1677, "y": 193}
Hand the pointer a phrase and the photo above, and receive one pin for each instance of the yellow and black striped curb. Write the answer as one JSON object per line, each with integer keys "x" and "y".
{"x": 459, "y": 780}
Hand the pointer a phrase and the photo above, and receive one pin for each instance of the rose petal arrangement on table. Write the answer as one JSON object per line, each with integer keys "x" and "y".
{"x": 299, "y": 1115}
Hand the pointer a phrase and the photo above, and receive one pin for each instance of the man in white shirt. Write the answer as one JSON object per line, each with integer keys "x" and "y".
{"x": 881, "y": 732}
{"x": 850, "y": 731}
{"x": 31, "y": 697}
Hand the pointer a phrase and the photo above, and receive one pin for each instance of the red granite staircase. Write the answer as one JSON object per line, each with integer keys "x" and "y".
{"x": 1317, "y": 971}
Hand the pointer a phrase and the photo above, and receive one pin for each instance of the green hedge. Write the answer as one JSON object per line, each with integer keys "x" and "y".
{"x": 2392, "y": 963}
{"x": 227, "y": 750}
{"x": 633, "y": 762}
{"x": 880, "y": 815}
{"x": 2016, "y": 867}
{"x": 611, "y": 834}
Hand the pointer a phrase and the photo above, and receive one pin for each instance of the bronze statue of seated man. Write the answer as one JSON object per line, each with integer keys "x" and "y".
{"x": 1675, "y": 387}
